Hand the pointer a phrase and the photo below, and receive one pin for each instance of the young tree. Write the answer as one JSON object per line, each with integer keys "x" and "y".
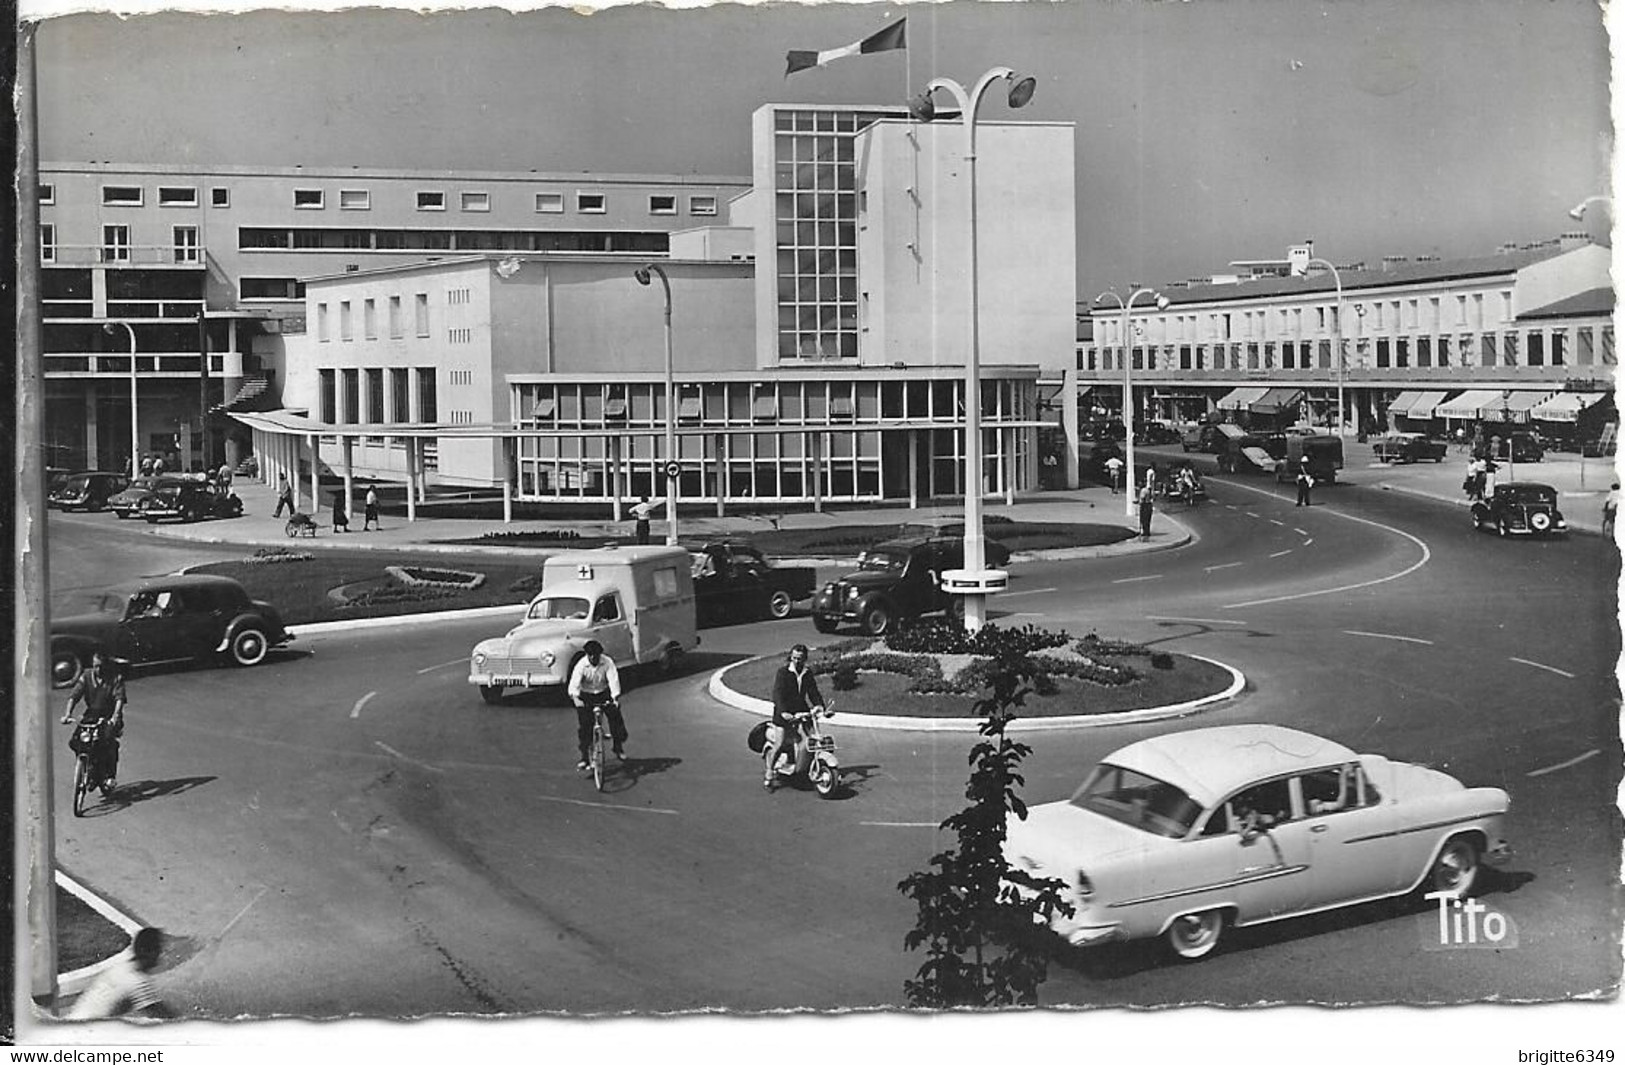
{"x": 977, "y": 914}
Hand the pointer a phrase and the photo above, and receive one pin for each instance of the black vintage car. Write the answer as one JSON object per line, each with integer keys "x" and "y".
{"x": 1521, "y": 508}
{"x": 735, "y": 582}
{"x": 89, "y": 490}
{"x": 127, "y": 504}
{"x": 994, "y": 553}
{"x": 895, "y": 580}
{"x": 189, "y": 500}
{"x": 164, "y": 619}
{"x": 1408, "y": 447}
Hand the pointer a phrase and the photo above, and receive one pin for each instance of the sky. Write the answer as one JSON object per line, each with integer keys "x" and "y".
{"x": 1206, "y": 131}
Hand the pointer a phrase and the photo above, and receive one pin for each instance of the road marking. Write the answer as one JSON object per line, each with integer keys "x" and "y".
{"x": 1549, "y": 669}
{"x": 1427, "y": 555}
{"x": 1563, "y": 765}
{"x": 1012, "y": 595}
{"x": 1386, "y": 636}
{"x": 443, "y": 665}
{"x": 1278, "y": 554}
{"x": 393, "y": 753}
{"x": 1199, "y": 621}
{"x": 1273, "y": 521}
{"x": 355, "y": 711}
{"x": 1222, "y": 565}
{"x": 1131, "y": 580}
{"x": 1300, "y": 532}
{"x": 1250, "y": 514}
{"x": 902, "y": 824}
{"x": 606, "y": 805}
{"x": 1308, "y": 541}
{"x": 245, "y": 909}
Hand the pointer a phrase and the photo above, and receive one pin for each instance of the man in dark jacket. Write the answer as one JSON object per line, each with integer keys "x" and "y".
{"x": 795, "y": 694}
{"x": 101, "y": 689}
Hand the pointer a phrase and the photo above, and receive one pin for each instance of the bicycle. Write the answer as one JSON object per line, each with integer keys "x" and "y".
{"x": 595, "y": 753}
{"x": 87, "y": 773}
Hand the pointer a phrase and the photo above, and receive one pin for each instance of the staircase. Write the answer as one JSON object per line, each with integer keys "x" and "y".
{"x": 255, "y": 394}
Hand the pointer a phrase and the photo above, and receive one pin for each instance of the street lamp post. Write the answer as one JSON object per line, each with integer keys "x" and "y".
{"x": 975, "y": 581}
{"x": 1126, "y": 307}
{"x": 1337, "y": 335}
{"x": 135, "y": 435}
{"x": 672, "y": 468}
{"x": 1506, "y": 420}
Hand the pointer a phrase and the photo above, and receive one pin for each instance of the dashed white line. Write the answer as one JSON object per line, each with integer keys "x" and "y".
{"x": 443, "y": 665}
{"x": 355, "y": 711}
{"x": 1538, "y": 665}
{"x": 1222, "y": 565}
{"x": 1300, "y": 532}
{"x": 1012, "y": 595}
{"x": 1387, "y": 636}
{"x": 1199, "y": 621}
{"x": 902, "y": 824}
{"x": 1274, "y": 521}
{"x": 605, "y": 805}
{"x": 393, "y": 753}
{"x": 1250, "y": 514}
{"x": 1131, "y": 580}
{"x": 1278, "y": 554}
{"x": 1563, "y": 765}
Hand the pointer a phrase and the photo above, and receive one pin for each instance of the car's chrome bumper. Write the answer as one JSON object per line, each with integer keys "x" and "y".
{"x": 514, "y": 680}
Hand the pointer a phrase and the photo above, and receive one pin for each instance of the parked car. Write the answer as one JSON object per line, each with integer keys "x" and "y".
{"x": 736, "y": 582}
{"x": 1408, "y": 447}
{"x": 190, "y": 500}
{"x": 895, "y": 581}
{"x": 1157, "y": 433}
{"x": 1184, "y": 834}
{"x": 1522, "y": 447}
{"x": 127, "y": 504}
{"x": 163, "y": 619}
{"x": 994, "y": 552}
{"x": 1206, "y": 438}
{"x": 87, "y": 491}
{"x": 1523, "y": 508}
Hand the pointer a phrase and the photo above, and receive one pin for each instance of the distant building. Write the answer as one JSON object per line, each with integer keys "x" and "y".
{"x": 1514, "y": 336}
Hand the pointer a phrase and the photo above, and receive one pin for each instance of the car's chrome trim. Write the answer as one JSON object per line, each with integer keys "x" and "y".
{"x": 1279, "y": 871}
{"x": 1429, "y": 827}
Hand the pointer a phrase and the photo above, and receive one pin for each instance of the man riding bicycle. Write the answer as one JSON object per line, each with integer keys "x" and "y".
{"x": 101, "y": 689}
{"x": 593, "y": 683}
{"x": 795, "y": 695}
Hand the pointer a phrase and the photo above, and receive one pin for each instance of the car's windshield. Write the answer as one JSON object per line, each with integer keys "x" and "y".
{"x": 883, "y": 561}
{"x": 1136, "y": 799}
{"x": 562, "y": 606}
{"x": 93, "y": 602}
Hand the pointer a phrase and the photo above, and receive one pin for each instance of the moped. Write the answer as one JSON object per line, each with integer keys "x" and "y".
{"x": 813, "y": 758}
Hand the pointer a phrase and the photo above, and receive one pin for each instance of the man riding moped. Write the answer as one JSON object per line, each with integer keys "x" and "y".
{"x": 795, "y": 700}
{"x": 101, "y": 689}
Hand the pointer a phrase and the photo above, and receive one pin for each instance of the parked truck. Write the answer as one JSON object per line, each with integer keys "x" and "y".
{"x": 736, "y": 582}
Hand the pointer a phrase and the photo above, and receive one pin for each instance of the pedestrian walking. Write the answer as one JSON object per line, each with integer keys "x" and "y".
{"x": 146, "y": 465}
{"x": 640, "y": 517}
{"x": 1610, "y": 510}
{"x": 1474, "y": 484}
{"x": 223, "y": 477}
{"x": 1147, "y": 495}
{"x": 284, "y": 495}
{"x": 370, "y": 518}
{"x": 124, "y": 987}
{"x": 341, "y": 513}
{"x": 1114, "y": 469}
{"x": 1306, "y": 481}
{"x": 158, "y": 466}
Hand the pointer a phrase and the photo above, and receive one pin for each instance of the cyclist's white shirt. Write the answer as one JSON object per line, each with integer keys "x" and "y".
{"x": 600, "y": 678}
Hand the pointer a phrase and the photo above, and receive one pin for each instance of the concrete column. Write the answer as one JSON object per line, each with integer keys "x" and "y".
{"x": 1069, "y": 424}
{"x": 91, "y": 427}
{"x": 815, "y": 452}
{"x": 617, "y": 476}
{"x": 413, "y": 461}
{"x": 914, "y": 469}
{"x": 722, "y": 471}
{"x": 347, "y": 448}
{"x": 1007, "y": 466}
{"x": 507, "y": 480}
{"x": 315, "y": 470}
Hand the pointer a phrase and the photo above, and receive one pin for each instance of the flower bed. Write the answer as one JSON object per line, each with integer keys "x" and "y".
{"x": 425, "y": 577}
{"x": 267, "y": 556}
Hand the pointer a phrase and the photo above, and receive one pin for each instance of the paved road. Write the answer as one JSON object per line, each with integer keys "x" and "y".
{"x": 349, "y": 829}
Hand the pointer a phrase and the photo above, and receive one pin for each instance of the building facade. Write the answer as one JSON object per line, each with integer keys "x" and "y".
{"x": 1421, "y": 340}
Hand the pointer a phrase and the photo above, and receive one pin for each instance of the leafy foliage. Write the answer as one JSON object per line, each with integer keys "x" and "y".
{"x": 977, "y": 913}
{"x": 942, "y": 636}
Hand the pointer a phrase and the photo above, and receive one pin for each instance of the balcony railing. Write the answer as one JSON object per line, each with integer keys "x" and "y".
{"x": 144, "y": 256}
{"x": 115, "y": 365}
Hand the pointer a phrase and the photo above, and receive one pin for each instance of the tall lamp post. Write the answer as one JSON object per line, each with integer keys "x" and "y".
{"x": 1126, "y": 307}
{"x": 672, "y": 463}
{"x": 975, "y": 581}
{"x": 1337, "y": 335}
{"x": 135, "y": 434}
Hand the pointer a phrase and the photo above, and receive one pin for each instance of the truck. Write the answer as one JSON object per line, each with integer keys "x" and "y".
{"x": 1323, "y": 451}
{"x": 895, "y": 581}
{"x": 735, "y": 581}
{"x": 637, "y": 601}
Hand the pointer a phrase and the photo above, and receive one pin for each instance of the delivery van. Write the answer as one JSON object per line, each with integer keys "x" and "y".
{"x": 1324, "y": 453}
{"x": 637, "y": 601}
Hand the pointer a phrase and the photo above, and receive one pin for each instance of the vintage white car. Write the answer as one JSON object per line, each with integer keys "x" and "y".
{"x": 1182, "y": 834}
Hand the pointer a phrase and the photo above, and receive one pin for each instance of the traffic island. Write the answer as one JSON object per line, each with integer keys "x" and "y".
{"x": 1078, "y": 683}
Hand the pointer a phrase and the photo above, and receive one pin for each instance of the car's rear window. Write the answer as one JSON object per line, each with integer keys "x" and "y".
{"x": 1527, "y": 494}
{"x": 1133, "y": 798}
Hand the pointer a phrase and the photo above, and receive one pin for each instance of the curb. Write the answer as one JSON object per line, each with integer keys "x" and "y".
{"x": 720, "y": 691}
{"x": 76, "y": 980}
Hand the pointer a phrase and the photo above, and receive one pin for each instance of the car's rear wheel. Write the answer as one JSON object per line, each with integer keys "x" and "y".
{"x": 1455, "y": 869}
{"x": 249, "y": 646}
{"x": 491, "y": 694}
{"x": 65, "y": 668}
{"x": 1194, "y": 935}
{"x": 876, "y": 621}
{"x": 779, "y": 604}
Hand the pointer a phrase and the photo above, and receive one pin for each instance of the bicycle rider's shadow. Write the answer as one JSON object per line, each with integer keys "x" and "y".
{"x": 126, "y": 795}
{"x": 625, "y": 774}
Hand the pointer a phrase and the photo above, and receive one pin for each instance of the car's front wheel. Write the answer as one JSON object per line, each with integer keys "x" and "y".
{"x": 876, "y": 621}
{"x": 1455, "y": 869}
{"x": 1194, "y": 935}
{"x": 65, "y": 668}
{"x": 779, "y": 604}
{"x": 249, "y": 646}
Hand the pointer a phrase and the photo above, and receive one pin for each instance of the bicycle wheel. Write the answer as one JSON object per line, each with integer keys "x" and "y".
{"x": 596, "y": 754}
{"x": 81, "y": 785}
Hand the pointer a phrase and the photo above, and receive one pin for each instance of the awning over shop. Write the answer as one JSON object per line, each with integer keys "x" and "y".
{"x": 1240, "y": 398}
{"x": 1421, "y": 407}
{"x": 1277, "y": 400}
{"x": 1564, "y": 407}
{"x": 1401, "y": 404}
{"x": 1466, "y": 405}
{"x": 1513, "y": 408}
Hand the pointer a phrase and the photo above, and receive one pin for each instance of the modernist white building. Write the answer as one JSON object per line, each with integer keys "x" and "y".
{"x": 1485, "y": 339}
{"x": 819, "y": 337}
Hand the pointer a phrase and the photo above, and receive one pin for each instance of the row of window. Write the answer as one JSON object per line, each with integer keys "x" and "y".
{"x": 308, "y": 199}
{"x": 317, "y": 238}
{"x": 1581, "y": 346}
{"x": 185, "y": 245}
{"x": 369, "y": 318}
{"x": 359, "y": 396}
{"x": 1420, "y": 314}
